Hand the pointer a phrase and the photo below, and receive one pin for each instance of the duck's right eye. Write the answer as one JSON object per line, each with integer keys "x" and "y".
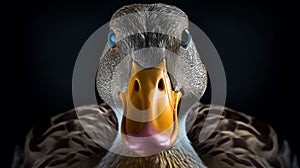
{"x": 112, "y": 40}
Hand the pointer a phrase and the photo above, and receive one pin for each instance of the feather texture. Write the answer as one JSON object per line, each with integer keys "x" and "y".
{"x": 238, "y": 141}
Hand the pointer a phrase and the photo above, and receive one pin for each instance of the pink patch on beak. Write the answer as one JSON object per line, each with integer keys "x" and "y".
{"x": 148, "y": 141}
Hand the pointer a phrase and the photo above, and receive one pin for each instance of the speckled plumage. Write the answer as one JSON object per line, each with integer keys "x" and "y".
{"x": 239, "y": 141}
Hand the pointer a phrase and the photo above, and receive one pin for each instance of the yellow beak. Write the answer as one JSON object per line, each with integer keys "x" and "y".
{"x": 149, "y": 123}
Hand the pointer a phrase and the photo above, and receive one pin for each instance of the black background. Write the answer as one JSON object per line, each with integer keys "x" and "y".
{"x": 253, "y": 39}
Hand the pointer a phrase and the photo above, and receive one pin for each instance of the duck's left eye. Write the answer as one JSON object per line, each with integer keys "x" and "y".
{"x": 185, "y": 38}
{"x": 112, "y": 40}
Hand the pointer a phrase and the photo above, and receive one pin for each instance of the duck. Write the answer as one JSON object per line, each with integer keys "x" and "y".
{"x": 142, "y": 79}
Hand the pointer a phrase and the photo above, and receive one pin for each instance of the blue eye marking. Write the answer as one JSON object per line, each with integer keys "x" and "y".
{"x": 112, "y": 40}
{"x": 185, "y": 38}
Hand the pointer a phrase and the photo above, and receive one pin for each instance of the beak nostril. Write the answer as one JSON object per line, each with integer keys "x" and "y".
{"x": 161, "y": 85}
{"x": 136, "y": 85}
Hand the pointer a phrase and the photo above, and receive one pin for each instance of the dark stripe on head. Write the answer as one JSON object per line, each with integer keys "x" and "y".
{"x": 133, "y": 8}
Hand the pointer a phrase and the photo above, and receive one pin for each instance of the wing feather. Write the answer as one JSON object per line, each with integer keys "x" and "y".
{"x": 62, "y": 141}
{"x": 239, "y": 140}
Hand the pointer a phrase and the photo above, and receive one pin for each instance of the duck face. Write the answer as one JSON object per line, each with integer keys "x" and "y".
{"x": 150, "y": 63}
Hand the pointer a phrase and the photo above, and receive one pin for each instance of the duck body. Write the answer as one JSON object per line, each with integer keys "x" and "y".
{"x": 238, "y": 141}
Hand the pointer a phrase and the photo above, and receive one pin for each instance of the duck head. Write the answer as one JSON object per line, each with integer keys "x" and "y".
{"x": 150, "y": 63}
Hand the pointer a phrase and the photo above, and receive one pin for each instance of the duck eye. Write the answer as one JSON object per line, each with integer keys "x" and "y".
{"x": 185, "y": 38}
{"x": 112, "y": 40}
